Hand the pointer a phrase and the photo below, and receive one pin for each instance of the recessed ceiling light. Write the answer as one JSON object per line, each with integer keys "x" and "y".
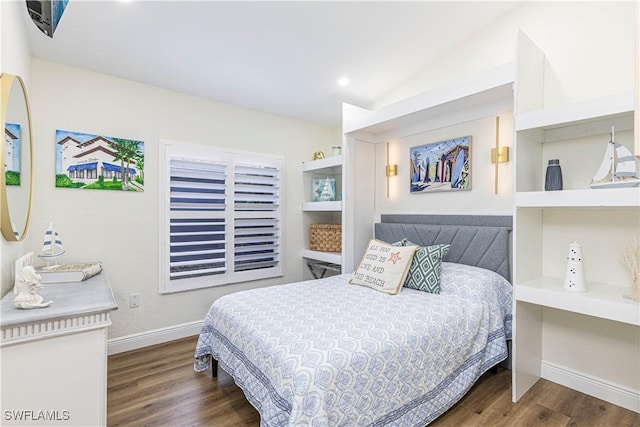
{"x": 343, "y": 81}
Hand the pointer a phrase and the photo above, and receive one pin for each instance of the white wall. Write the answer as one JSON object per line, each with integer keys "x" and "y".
{"x": 16, "y": 54}
{"x": 122, "y": 229}
{"x": 479, "y": 200}
{"x": 15, "y": 58}
{"x": 589, "y": 48}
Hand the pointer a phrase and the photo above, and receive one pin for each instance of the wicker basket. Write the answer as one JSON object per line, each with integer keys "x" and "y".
{"x": 326, "y": 237}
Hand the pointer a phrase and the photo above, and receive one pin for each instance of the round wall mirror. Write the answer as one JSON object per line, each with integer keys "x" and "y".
{"x": 16, "y": 159}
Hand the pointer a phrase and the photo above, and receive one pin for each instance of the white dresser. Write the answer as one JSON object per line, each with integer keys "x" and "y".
{"x": 53, "y": 360}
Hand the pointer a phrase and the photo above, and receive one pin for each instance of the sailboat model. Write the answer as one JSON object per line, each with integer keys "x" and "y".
{"x": 618, "y": 168}
{"x": 328, "y": 192}
{"x": 52, "y": 246}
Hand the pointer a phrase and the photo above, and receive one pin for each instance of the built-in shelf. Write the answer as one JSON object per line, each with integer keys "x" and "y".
{"x": 448, "y": 103}
{"x": 332, "y": 257}
{"x": 322, "y": 206}
{"x": 325, "y": 211}
{"x": 601, "y": 300}
{"x": 612, "y": 197}
{"x": 330, "y": 165}
{"x": 545, "y": 220}
{"x": 582, "y": 113}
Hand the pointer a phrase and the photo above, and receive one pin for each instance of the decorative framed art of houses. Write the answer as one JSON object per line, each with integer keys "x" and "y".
{"x": 12, "y": 164}
{"x": 98, "y": 162}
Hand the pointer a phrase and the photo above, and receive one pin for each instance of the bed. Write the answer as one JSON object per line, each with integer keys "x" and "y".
{"x": 326, "y": 353}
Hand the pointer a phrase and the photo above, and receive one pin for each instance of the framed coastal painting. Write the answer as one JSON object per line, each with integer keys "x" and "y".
{"x": 323, "y": 189}
{"x": 97, "y": 162}
{"x": 441, "y": 166}
{"x": 12, "y": 164}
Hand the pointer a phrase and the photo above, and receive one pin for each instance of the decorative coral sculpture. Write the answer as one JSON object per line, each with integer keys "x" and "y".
{"x": 26, "y": 287}
{"x": 632, "y": 260}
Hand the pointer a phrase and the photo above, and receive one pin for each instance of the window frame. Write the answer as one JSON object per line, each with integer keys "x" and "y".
{"x": 188, "y": 151}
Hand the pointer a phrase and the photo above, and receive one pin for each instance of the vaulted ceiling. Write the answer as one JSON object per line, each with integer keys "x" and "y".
{"x": 279, "y": 57}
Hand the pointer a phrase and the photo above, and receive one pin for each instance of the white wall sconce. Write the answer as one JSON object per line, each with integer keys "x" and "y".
{"x": 391, "y": 170}
{"x": 498, "y": 154}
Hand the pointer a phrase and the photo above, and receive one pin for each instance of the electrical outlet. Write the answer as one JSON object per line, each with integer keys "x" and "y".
{"x": 134, "y": 300}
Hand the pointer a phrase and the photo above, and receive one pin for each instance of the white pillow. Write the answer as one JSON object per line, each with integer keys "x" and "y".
{"x": 384, "y": 267}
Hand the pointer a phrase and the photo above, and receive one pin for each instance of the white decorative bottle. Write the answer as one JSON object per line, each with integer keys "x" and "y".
{"x": 574, "y": 276}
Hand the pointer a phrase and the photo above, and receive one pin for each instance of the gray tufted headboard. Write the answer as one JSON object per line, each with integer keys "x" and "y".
{"x": 477, "y": 240}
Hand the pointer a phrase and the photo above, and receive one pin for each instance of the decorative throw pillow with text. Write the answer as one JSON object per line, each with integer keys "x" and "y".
{"x": 384, "y": 267}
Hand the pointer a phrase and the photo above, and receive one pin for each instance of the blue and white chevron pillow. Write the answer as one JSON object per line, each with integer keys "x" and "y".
{"x": 424, "y": 272}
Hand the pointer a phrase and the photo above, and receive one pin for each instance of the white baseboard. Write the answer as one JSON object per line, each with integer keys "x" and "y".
{"x": 156, "y": 336}
{"x": 597, "y": 387}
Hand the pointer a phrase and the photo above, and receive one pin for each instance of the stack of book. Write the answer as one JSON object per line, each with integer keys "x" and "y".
{"x": 76, "y": 272}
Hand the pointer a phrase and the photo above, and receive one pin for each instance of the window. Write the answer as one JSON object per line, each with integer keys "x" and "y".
{"x": 220, "y": 215}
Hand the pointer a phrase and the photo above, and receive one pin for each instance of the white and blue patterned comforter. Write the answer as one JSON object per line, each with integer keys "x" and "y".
{"x": 326, "y": 353}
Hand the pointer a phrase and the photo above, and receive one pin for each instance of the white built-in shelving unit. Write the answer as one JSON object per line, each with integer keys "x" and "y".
{"x": 326, "y": 212}
{"x": 572, "y": 131}
{"x": 603, "y": 300}
{"x": 485, "y": 94}
{"x": 615, "y": 197}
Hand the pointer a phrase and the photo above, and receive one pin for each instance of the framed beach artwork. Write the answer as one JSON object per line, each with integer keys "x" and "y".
{"x": 96, "y": 162}
{"x": 12, "y": 165}
{"x": 441, "y": 166}
{"x": 323, "y": 189}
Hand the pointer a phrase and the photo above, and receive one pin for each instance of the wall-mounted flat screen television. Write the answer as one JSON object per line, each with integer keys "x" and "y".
{"x": 46, "y": 14}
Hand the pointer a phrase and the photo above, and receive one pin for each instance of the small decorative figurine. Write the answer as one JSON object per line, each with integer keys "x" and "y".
{"x": 574, "y": 277}
{"x": 52, "y": 247}
{"x": 318, "y": 155}
{"x": 618, "y": 167}
{"x": 26, "y": 285}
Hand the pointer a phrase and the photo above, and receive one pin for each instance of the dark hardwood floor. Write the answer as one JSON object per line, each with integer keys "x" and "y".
{"x": 157, "y": 386}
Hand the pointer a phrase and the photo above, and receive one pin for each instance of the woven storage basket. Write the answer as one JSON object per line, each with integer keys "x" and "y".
{"x": 326, "y": 237}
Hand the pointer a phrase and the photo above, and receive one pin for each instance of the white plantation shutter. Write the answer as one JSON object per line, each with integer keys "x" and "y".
{"x": 221, "y": 217}
{"x": 196, "y": 216}
{"x": 257, "y": 221}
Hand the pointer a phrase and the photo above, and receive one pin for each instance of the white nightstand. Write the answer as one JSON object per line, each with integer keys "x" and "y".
{"x": 54, "y": 360}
